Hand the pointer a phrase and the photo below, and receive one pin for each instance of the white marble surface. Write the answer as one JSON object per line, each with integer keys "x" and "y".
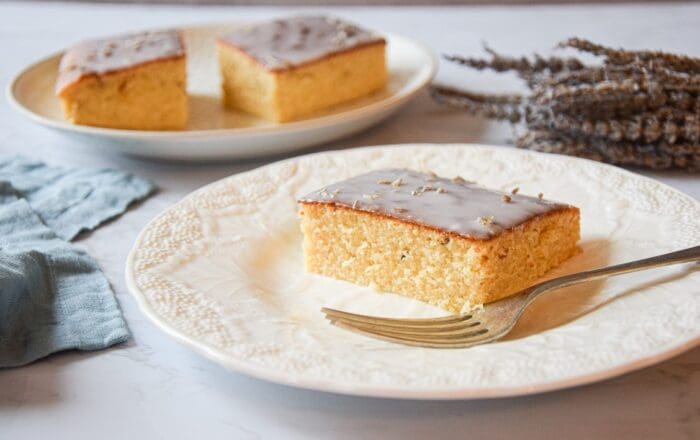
{"x": 152, "y": 387}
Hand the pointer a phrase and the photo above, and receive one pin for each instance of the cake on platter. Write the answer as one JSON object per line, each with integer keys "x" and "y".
{"x": 135, "y": 81}
{"x": 288, "y": 69}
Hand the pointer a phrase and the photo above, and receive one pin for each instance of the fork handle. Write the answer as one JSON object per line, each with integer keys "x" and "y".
{"x": 683, "y": 256}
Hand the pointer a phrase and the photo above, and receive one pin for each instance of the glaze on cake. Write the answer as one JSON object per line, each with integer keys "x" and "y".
{"x": 292, "y": 42}
{"x": 98, "y": 57}
{"x": 455, "y": 206}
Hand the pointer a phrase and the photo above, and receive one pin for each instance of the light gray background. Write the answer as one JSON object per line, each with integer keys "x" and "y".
{"x": 152, "y": 387}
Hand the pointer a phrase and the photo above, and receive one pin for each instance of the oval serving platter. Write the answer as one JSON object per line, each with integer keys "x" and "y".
{"x": 214, "y": 132}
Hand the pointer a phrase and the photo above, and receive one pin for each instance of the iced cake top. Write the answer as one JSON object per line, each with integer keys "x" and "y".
{"x": 286, "y": 43}
{"x": 455, "y": 205}
{"x": 97, "y": 57}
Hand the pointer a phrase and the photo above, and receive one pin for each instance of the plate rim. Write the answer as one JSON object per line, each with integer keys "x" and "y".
{"x": 391, "y": 101}
{"x": 464, "y": 393}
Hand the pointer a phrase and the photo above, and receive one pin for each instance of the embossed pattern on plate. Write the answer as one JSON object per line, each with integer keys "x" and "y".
{"x": 222, "y": 272}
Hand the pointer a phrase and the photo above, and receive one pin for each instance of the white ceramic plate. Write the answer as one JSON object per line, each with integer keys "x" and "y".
{"x": 221, "y": 271}
{"x": 216, "y": 133}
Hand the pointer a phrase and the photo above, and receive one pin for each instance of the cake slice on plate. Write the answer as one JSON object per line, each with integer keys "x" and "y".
{"x": 291, "y": 68}
{"x": 134, "y": 81}
{"x": 448, "y": 242}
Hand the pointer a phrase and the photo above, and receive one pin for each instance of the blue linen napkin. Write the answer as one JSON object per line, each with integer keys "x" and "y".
{"x": 70, "y": 200}
{"x": 53, "y": 296}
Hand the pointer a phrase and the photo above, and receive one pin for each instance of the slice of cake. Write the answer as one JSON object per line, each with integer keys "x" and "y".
{"x": 287, "y": 69}
{"x": 448, "y": 242}
{"x": 133, "y": 81}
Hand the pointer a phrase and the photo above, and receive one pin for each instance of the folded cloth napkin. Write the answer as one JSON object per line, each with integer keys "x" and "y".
{"x": 53, "y": 296}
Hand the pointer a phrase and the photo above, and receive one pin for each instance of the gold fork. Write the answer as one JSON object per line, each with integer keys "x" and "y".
{"x": 492, "y": 322}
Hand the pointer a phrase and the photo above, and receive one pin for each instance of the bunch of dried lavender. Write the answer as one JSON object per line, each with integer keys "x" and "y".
{"x": 638, "y": 108}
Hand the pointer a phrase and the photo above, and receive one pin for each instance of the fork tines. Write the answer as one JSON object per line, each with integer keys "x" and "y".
{"x": 456, "y": 331}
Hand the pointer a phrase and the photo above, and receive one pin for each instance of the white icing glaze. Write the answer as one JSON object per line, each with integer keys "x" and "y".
{"x": 115, "y": 53}
{"x": 281, "y": 44}
{"x": 451, "y": 205}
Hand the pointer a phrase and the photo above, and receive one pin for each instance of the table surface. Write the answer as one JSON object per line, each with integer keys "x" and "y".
{"x": 152, "y": 387}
